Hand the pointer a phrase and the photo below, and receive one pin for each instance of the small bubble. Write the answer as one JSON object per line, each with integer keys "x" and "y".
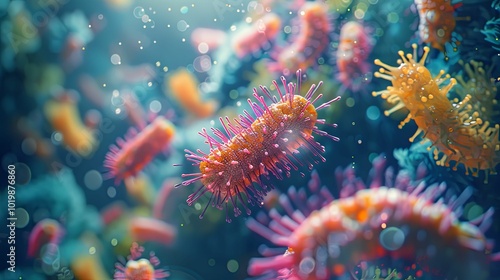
{"x": 182, "y": 25}
{"x": 115, "y": 59}
{"x": 184, "y": 10}
{"x": 350, "y": 102}
{"x": 373, "y": 113}
{"x": 392, "y": 238}
{"x": 307, "y": 265}
{"x": 155, "y": 106}
{"x": 56, "y": 138}
{"x": 23, "y": 173}
{"x": 392, "y": 17}
{"x": 203, "y": 47}
{"x": 23, "y": 217}
{"x": 232, "y": 266}
{"x": 138, "y": 12}
{"x": 111, "y": 192}
{"x": 28, "y": 146}
{"x": 202, "y": 63}
{"x": 233, "y": 94}
{"x": 359, "y": 14}
{"x": 92, "y": 179}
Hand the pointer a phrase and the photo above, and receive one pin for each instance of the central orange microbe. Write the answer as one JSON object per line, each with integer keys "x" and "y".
{"x": 456, "y": 131}
{"x": 253, "y": 147}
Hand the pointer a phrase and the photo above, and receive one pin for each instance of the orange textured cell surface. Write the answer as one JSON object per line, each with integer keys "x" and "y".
{"x": 455, "y": 129}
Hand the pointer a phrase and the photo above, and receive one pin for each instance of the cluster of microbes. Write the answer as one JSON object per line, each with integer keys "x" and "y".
{"x": 202, "y": 112}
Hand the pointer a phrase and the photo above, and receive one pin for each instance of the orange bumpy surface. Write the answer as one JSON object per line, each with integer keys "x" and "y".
{"x": 456, "y": 130}
{"x": 251, "y": 145}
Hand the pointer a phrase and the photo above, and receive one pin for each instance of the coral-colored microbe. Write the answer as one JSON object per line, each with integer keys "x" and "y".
{"x": 138, "y": 268}
{"x": 406, "y": 223}
{"x": 455, "y": 130}
{"x": 139, "y": 148}
{"x": 46, "y": 232}
{"x": 437, "y": 22}
{"x": 252, "y": 39}
{"x": 254, "y": 147}
{"x": 307, "y": 46}
{"x": 64, "y": 118}
{"x": 182, "y": 85}
{"x": 145, "y": 229}
{"x": 354, "y": 48}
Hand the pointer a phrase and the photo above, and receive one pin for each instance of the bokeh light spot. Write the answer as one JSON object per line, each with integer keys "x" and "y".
{"x": 28, "y": 146}
{"x": 23, "y": 217}
{"x": 111, "y": 192}
{"x": 155, "y": 106}
{"x": 392, "y": 238}
{"x": 23, "y": 173}
{"x": 373, "y": 113}
{"x": 203, "y": 47}
{"x": 182, "y": 25}
{"x": 116, "y": 59}
{"x": 232, "y": 266}
{"x": 92, "y": 179}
